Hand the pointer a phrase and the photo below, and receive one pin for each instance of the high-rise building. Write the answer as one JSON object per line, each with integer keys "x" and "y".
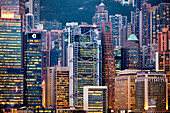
{"x": 101, "y": 14}
{"x": 95, "y": 99}
{"x": 159, "y": 19}
{"x": 45, "y": 49}
{"x": 33, "y": 7}
{"x": 164, "y": 40}
{"x": 57, "y": 87}
{"x": 11, "y": 34}
{"x": 56, "y": 47}
{"x": 132, "y": 53}
{"x": 125, "y": 90}
{"x": 33, "y": 70}
{"x": 84, "y": 61}
{"x": 108, "y": 63}
{"x": 29, "y": 22}
{"x": 146, "y": 9}
{"x": 163, "y": 55}
{"x": 118, "y": 22}
{"x": 138, "y": 16}
{"x": 151, "y": 91}
{"x": 123, "y": 36}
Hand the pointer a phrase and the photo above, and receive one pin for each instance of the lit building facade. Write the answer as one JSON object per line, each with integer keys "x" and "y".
{"x": 95, "y": 99}
{"x": 138, "y": 8}
{"x": 108, "y": 63}
{"x": 118, "y": 22}
{"x": 132, "y": 53}
{"x": 125, "y": 90}
{"x": 84, "y": 61}
{"x": 118, "y": 54}
{"x": 163, "y": 55}
{"x": 151, "y": 91}
{"x": 33, "y": 70}
{"x": 57, "y": 87}
{"x": 101, "y": 14}
{"x": 45, "y": 49}
{"x": 146, "y": 39}
{"x": 11, "y": 90}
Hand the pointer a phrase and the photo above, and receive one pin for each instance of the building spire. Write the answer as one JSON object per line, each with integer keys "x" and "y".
{"x": 102, "y": 1}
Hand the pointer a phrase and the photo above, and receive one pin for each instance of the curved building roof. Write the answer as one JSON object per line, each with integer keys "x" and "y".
{"x": 133, "y": 37}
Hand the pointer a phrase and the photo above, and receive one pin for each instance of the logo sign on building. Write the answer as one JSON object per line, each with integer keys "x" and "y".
{"x": 34, "y": 35}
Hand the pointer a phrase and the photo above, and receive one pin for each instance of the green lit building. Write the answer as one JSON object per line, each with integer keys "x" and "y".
{"x": 32, "y": 69}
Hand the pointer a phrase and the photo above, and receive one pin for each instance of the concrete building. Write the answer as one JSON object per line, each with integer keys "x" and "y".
{"x": 57, "y": 87}
{"x": 151, "y": 91}
{"x": 108, "y": 63}
{"x": 125, "y": 90}
{"x": 132, "y": 53}
{"x": 95, "y": 99}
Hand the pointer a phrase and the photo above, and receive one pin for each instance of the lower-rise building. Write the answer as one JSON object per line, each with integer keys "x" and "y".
{"x": 57, "y": 87}
{"x": 95, "y": 99}
{"x": 125, "y": 90}
{"x": 151, "y": 91}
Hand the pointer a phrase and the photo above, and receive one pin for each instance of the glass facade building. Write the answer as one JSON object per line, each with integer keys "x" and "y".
{"x": 11, "y": 90}
{"x": 33, "y": 69}
{"x": 118, "y": 22}
{"x": 10, "y": 43}
{"x": 95, "y": 99}
{"x": 84, "y": 61}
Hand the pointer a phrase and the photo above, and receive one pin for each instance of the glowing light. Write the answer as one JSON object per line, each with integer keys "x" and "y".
{"x": 16, "y": 89}
{"x": 7, "y": 15}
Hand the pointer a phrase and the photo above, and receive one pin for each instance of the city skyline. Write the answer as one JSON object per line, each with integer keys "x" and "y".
{"x": 117, "y": 62}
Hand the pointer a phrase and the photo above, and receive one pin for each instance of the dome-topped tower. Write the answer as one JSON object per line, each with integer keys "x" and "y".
{"x": 132, "y": 37}
{"x": 132, "y": 53}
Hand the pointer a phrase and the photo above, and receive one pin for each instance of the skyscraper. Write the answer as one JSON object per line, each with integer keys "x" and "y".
{"x": 33, "y": 70}
{"x": 138, "y": 16}
{"x": 33, "y": 7}
{"x": 146, "y": 9}
{"x": 163, "y": 55}
{"x": 56, "y": 47}
{"x": 101, "y": 14}
{"x": 29, "y": 22}
{"x": 118, "y": 22}
{"x": 132, "y": 53}
{"x": 84, "y": 62}
{"x": 45, "y": 49}
{"x": 108, "y": 63}
{"x": 159, "y": 19}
